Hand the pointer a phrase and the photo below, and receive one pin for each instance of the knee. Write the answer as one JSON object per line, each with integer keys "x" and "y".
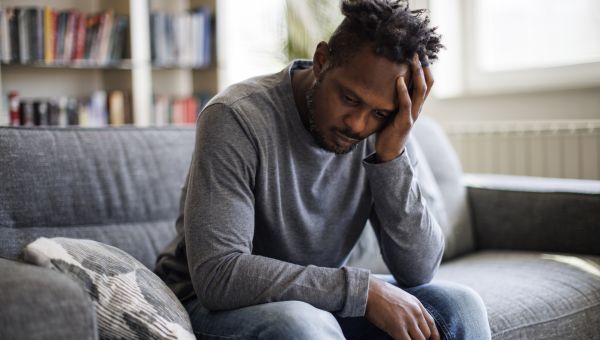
{"x": 459, "y": 310}
{"x": 300, "y": 320}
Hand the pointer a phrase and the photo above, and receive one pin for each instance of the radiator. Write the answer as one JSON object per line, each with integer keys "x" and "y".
{"x": 565, "y": 149}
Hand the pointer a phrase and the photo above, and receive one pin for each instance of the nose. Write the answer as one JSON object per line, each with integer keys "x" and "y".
{"x": 356, "y": 121}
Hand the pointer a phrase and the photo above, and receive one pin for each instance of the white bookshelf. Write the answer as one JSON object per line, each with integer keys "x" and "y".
{"x": 136, "y": 75}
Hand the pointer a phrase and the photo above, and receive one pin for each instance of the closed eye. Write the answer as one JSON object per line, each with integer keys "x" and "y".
{"x": 380, "y": 114}
{"x": 350, "y": 100}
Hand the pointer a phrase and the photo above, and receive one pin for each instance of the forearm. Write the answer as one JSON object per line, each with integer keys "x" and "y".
{"x": 410, "y": 238}
{"x": 240, "y": 280}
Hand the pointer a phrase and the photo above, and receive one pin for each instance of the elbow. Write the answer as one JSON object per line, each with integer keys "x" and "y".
{"x": 212, "y": 285}
{"x": 204, "y": 281}
{"x": 419, "y": 272}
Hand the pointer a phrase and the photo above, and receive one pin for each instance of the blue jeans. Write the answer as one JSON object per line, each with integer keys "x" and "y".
{"x": 458, "y": 311}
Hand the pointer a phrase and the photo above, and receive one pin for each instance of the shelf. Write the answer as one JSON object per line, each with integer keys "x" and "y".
{"x": 138, "y": 75}
{"x": 181, "y": 67}
{"x": 80, "y": 65}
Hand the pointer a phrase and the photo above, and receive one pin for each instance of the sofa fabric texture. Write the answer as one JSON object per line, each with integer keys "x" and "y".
{"x": 554, "y": 221}
{"x": 119, "y": 186}
{"x": 533, "y": 295}
{"x": 41, "y": 304}
{"x": 447, "y": 174}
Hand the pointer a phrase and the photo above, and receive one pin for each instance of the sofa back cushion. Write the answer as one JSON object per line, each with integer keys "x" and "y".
{"x": 447, "y": 172}
{"x": 119, "y": 186}
{"x": 440, "y": 179}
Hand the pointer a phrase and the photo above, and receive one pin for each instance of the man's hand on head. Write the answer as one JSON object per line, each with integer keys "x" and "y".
{"x": 398, "y": 313}
{"x": 392, "y": 138}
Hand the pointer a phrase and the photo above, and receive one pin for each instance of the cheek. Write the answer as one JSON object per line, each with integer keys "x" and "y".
{"x": 326, "y": 109}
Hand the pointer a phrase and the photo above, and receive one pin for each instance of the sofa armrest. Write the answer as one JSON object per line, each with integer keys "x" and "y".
{"x": 533, "y": 213}
{"x": 38, "y": 303}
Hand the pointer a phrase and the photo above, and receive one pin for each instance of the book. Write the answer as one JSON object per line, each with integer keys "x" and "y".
{"x": 26, "y": 113}
{"x": 119, "y": 42}
{"x": 37, "y": 34}
{"x": 105, "y": 37}
{"x": 40, "y": 112}
{"x": 12, "y": 15}
{"x": 70, "y": 31}
{"x": 116, "y": 108}
{"x": 14, "y": 107}
{"x": 72, "y": 111}
{"x": 23, "y": 24}
{"x": 80, "y": 38}
{"x": 5, "y": 54}
{"x": 49, "y": 34}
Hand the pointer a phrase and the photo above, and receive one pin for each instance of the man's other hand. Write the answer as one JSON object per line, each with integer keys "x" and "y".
{"x": 398, "y": 313}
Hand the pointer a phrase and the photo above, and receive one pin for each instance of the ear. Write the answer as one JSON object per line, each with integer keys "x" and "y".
{"x": 320, "y": 58}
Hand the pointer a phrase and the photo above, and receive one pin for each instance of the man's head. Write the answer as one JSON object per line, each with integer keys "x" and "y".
{"x": 354, "y": 94}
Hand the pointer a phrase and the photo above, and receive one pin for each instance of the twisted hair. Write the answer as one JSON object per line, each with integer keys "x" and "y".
{"x": 389, "y": 27}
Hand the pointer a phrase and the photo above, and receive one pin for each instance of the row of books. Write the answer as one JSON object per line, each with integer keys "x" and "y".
{"x": 49, "y": 36}
{"x": 98, "y": 110}
{"x": 181, "y": 38}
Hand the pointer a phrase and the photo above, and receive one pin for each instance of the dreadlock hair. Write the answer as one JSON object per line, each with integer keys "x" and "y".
{"x": 389, "y": 27}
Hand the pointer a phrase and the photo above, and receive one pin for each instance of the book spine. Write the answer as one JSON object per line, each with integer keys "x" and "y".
{"x": 72, "y": 111}
{"x": 61, "y": 23}
{"x": 49, "y": 31}
{"x": 26, "y": 108}
{"x": 106, "y": 28}
{"x": 120, "y": 38}
{"x": 14, "y": 104}
{"x": 23, "y": 23}
{"x": 116, "y": 108}
{"x": 13, "y": 25}
{"x": 81, "y": 38}
{"x": 39, "y": 31}
{"x": 5, "y": 36}
{"x": 35, "y": 23}
{"x": 69, "y": 36}
{"x": 40, "y": 112}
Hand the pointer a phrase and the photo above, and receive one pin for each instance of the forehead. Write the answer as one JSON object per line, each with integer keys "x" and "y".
{"x": 372, "y": 77}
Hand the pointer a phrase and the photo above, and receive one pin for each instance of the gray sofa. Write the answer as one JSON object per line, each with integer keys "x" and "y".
{"x": 530, "y": 247}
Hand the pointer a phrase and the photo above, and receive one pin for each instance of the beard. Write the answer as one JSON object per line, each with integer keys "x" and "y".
{"x": 317, "y": 134}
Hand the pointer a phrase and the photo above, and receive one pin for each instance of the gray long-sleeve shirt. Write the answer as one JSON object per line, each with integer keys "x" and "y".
{"x": 267, "y": 215}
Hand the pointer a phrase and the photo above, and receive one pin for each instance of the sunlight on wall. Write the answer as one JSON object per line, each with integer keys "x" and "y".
{"x": 250, "y": 39}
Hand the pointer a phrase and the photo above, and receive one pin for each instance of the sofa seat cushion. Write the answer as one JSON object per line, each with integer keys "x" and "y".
{"x": 532, "y": 295}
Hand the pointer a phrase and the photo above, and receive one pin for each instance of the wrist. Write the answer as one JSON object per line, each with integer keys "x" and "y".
{"x": 372, "y": 293}
{"x": 386, "y": 157}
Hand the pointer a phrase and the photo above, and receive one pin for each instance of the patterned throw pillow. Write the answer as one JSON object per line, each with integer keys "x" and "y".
{"x": 131, "y": 302}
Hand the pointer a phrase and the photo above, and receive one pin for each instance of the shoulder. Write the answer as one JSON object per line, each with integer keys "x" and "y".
{"x": 256, "y": 105}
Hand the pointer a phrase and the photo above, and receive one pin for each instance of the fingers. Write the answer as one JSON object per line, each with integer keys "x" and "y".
{"x": 430, "y": 322}
{"x": 405, "y": 103}
{"x": 428, "y": 75}
{"x": 420, "y": 88}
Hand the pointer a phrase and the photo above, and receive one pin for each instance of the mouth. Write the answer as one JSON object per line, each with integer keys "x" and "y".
{"x": 344, "y": 141}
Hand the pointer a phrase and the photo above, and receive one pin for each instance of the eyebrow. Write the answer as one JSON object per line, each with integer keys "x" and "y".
{"x": 345, "y": 89}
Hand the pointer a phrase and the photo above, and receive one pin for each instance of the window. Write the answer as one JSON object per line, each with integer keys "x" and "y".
{"x": 516, "y": 34}
{"x": 497, "y": 46}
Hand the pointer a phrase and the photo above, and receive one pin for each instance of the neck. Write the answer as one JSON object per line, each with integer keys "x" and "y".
{"x": 302, "y": 81}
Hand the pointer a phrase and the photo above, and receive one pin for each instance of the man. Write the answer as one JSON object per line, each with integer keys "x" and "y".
{"x": 287, "y": 169}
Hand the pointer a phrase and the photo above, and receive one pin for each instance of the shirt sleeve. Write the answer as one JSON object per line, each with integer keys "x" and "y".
{"x": 411, "y": 241}
{"x": 219, "y": 228}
